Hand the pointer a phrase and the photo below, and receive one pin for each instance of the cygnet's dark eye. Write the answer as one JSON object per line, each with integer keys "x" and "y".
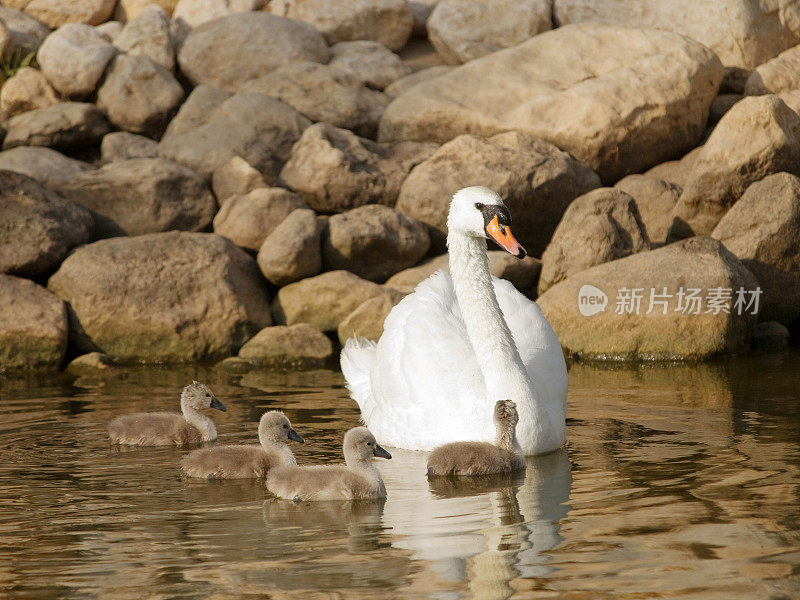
{"x": 208, "y": 395}
{"x": 286, "y": 427}
{"x": 479, "y": 206}
{"x": 369, "y": 443}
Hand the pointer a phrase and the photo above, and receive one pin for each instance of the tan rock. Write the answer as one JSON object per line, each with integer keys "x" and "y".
{"x": 195, "y": 112}
{"x": 128, "y": 10}
{"x": 293, "y": 251}
{"x": 463, "y": 30}
{"x": 33, "y": 325}
{"x": 235, "y": 178}
{"x": 404, "y": 84}
{"x": 614, "y": 329}
{"x": 48, "y": 167}
{"x": 294, "y": 346}
{"x": 26, "y": 33}
{"x": 197, "y": 12}
{"x": 366, "y": 321}
{"x": 777, "y": 75}
{"x": 386, "y": 21}
{"x": 55, "y": 13}
{"x": 109, "y": 30}
{"x": 162, "y": 297}
{"x": 421, "y": 11}
{"x": 614, "y": 121}
{"x": 121, "y": 145}
{"x": 721, "y": 105}
{"x": 763, "y": 229}
{"x": 27, "y": 90}
{"x": 372, "y": 63}
{"x": 655, "y": 199}
{"x": 248, "y": 220}
{"x": 536, "y": 180}
{"x": 148, "y": 34}
{"x": 90, "y": 364}
{"x": 323, "y": 301}
{"x": 63, "y": 126}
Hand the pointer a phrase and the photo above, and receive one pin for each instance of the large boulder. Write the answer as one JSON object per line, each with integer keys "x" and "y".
{"x": 536, "y": 180}
{"x": 37, "y": 227}
{"x": 323, "y": 301}
{"x": 142, "y": 195}
{"x": 463, "y": 31}
{"x": 139, "y": 95}
{"x": 763, "y": 229}
{"x": 27, "y": 90}
{"x": 33, "y": 325}
{"x": 55, "y": 13}
{"x": 293, "y": 251}
{"x": 296, "y": 346}
{"x": 334, "y": 170}
{"x": 386, "y": 21}
{"x": 655, "y": 199}
{"x": 618, "y": 99}
{"x": 598, "y": 227}
{"x": 259, "y": 129}
{"x": 758, "y": 136}
{"x": 742, "y": 33}
{"x": 247, "y": 220}
{"x": 687, "y": 300}
{"x": 162, "y": 297}
{"x": 121, "y": 145}
{"x": 48, "y": 167}
{"x": 374, "y": 242}
{"x": 230, "y": 51}
{"x": 324, "y": 93}
{"x": 148, "y": 34}
{"x": 74, "y": 58}
{"x": 366, "y": 321}
{"x": 63, "y": 126}
{"x": 372, "y": 63}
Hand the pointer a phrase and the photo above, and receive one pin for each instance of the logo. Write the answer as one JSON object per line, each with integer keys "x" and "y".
{"x": 591, "y": 300}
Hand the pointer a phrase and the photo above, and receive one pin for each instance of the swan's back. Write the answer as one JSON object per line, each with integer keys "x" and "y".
{"x": 322, "y": 482}
{"x": 472, "y": 458}
{"x": 153, "y": 429}
{"x": 229, "y": 462}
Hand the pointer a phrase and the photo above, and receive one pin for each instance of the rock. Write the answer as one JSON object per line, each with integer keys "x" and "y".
{"x": 203, "y": 100}
{"x": 655, "y": 199}
{"x": 139, "y": 95}
{"x": 721, "y": 105}
{"x": 74, "y": 58}
{"x": 37, "y": 227}
{"x": 734, "y": 80}
{"x": 366, "y": 321}
{"x": 646, "y": 101}
{"x": 741, "y": 33}
{"x": 536, "y": 180}
{"x": 48, "y": 167}
{"x": 293, "y": 251}
{"x": 334, "y": 170}
{"x": 613, "y": 329}
{"x": 27, "y": 90}
{"x": 758, "y": 136}
{"x": 463, "y": 30}
{"x": 294, "y": 346}
{"x": 323, "y": 301}
{"x": 5, "y": 40}
{"x": 386, "y": 21}
{"x": 421, "y": 11}
{"x": 162, "y": 297}
{"x": 777, "y": 75}
{"x": 324, "y": 93}
{"x": 211, "y": 51}
{"x": 260, "y": 129}
{"x": 675, "y": 171}
{"x": 63, "y": 126}
{"x": 90, "y": 364}
{"x": 235, "y": 178}
{"x": 197, "y": 12}
{"x": 110, "y": 30}
{"x": 128, "y": 10}
{"x": 248, "y": 220}
{"x": 404, "y": 84}
{"x": 121, "y": 145}
{"x": 763, "y": 229}
{"x": 26, "y": 32}
{"x": 598, "y": 227}
{"x": 33, "y": 325}
{"x": 142, "y": 195}
{"x": 148, "y": 34}
{"x": 420, "y": 54}
{"x": 372, "y": 63}
{"x": 374, "y": 242}
{"x": 55, "y": 13}
{"x": 770, "y": 337}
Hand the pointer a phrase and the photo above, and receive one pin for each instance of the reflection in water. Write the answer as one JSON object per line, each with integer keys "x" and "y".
{"x": 678, "y": 481}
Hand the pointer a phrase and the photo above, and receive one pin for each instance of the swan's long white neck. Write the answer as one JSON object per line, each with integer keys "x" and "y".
{"x": 197, "y": 419}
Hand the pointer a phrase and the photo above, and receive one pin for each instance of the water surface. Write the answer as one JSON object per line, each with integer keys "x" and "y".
{"x": 677, "y": 482}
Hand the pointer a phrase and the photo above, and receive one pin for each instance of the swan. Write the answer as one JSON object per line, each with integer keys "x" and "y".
{"x": 482, "y": 458}
{"x": 457, "y": 344}
{"x": 358, "y": 479}
{"x": 243, "y": 461}
{"x": 170, "y": 429}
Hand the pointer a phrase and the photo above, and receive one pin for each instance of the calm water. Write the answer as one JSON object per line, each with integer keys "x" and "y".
{"x": 678, "y": 482}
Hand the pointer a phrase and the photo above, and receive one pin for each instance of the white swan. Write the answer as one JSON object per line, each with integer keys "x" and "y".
{"x": 458, "y": 344}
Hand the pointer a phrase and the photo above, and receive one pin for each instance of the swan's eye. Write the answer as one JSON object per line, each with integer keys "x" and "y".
{"x": 479, "y": 206}
{"x": 369, "y": 443}
{"x": 208, "y": 395}
{"x": 286, "y": 427}
{"x": 502, "y": 229}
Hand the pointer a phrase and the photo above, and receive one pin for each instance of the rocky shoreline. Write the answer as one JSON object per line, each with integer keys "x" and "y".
{"x": 252, "y": 182}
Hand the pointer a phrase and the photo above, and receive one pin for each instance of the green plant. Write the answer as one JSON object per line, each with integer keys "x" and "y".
{"x": 13, "y": 62}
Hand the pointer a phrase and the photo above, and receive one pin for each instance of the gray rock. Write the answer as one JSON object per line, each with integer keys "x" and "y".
{"x": 193, "y": 113}
{"x": 293, "y": 251}
{"x": 296, "y": 346}
{"x": 148, "y": 34}
{"x": 139, "y": 95}
{"x": 26, "y": 33}
{"x": 121, "y": 145}
{"x": 655, "y": 199}
{"x": 37, "y": 227}
{"x": 62, "y": 126}
{"x": 255, "y": 43}
{"x": 374, "y": 242}
{"x": 372, "y": 63}
{"x": 235, "y": 178}
{"x": 191, "y": 13}
{"x": 142, "y": 195}
{"x": 404, "y": 84}
{"x": 74, "y": 58}
{"x": 33, "y": 325}
{"x": 27, "y": 90}
{"x": 162, "y": 297}
{"x": 109, "y": 30}
{"x": 48, "y": 167}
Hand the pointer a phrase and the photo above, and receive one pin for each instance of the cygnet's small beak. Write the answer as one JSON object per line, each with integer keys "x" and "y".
{"x": 505, "y": 239}
{"x": 380, "y": 452}
{"x": 217, "y": 404}
{"x": 294, "y": 436}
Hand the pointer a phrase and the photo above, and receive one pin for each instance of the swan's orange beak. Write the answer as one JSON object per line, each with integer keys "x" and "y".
{"x": 503, "y": 236}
